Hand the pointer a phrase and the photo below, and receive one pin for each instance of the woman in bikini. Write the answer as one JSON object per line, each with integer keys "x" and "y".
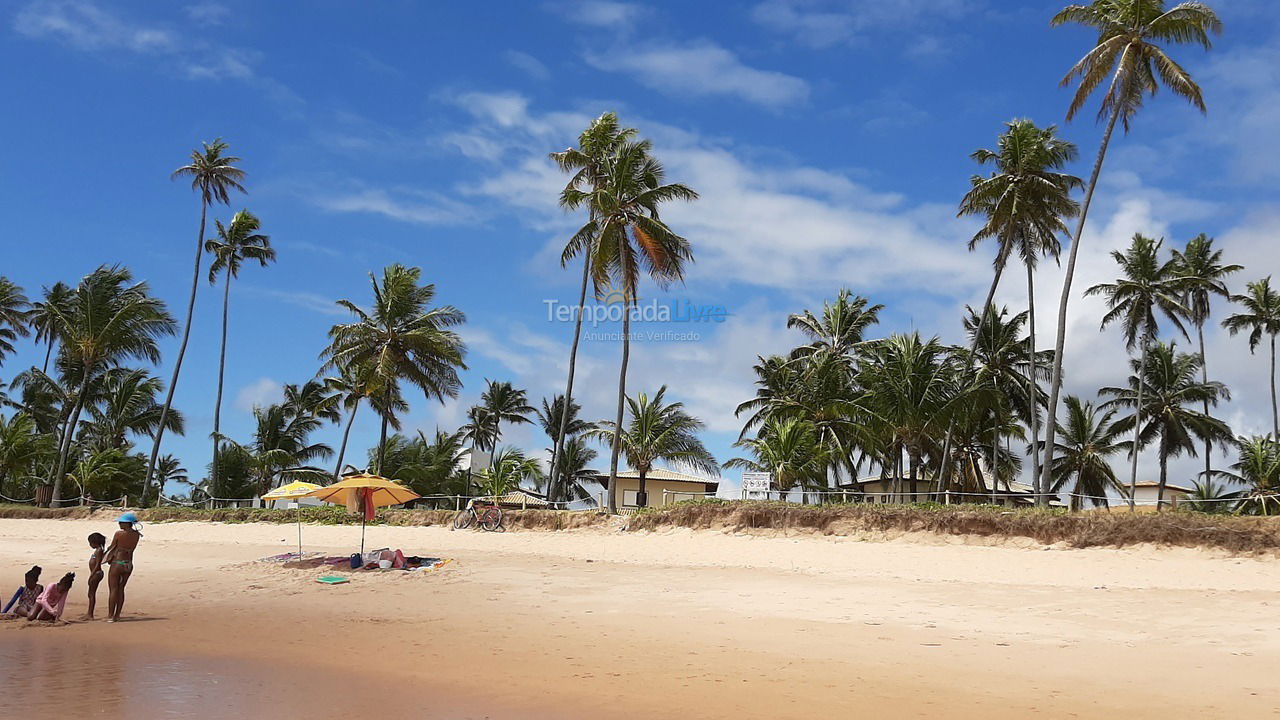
{"x": 119, "y": 559}
{"x": 25, "y": 598}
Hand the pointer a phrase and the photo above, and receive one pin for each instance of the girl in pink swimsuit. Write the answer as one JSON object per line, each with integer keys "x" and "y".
{"x": 53, "y": 600}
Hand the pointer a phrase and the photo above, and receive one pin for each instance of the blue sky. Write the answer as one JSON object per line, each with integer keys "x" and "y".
{"x": 829, "y": 140}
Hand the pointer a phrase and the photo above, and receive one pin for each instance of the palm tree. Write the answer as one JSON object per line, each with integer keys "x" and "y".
{"x": 1210, "y": 497}
{"x": 658, "y": 432}
{"x": 1127, "y": 50}
{"x": 502, "y": 402}
{"x": 1147, "y": 287}
{"x": 1203, "y": 274}
{"x": 127, "y": 405}
{"x": 236, "y": 242}
{"x": 911, "y": 391}
{"x": 353, "y": 385}
{"x": 509, "y": 469}
{"x": 481, "y": 431}
{"x": 1025, "y": 202}
{"x": 281, "y": 443}
{"x": 573, "y": 472}
{"x": 1257, "y": 467}
{"x": 1261, "y": 316}
{"x": 841, "y": 327}
{"x": 1161, "y": 396}
{"x": 42, "y": 318}
{"x": 22, "y": 447}
{"x": 589, "y": 162}
{"x": 1006, "y": 372}
{"x": 400, "y": 338}
{"x": 14, "y": 315}
{"x": 109, "y": 319}
{"x": 169, "y": 469}
{"x": 1082, "y": 455}
{"x": 786, "y": 449}
{"x": 213, "y": 175}
{"x": 560, "y": 424}
{"x": 629, "y": 237}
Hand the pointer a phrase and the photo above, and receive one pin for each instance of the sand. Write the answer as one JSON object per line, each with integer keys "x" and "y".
{"x": 605, "y": 624}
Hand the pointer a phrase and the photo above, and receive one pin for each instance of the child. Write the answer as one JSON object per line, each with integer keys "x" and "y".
{"x": 51, "y": 602}
{"x": 25, "y": 597}
{"x": 98, "y": 542}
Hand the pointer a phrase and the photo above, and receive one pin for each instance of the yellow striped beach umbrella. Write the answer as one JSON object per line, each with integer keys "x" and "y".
{"x": 293, "y": 491}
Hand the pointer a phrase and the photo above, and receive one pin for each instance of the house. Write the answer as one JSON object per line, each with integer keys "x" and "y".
{"x": 879, "y": 489}
{"x": 663, "y": 486}
{"x": 1145, "y": 494}
{"x": 521, "y": 499}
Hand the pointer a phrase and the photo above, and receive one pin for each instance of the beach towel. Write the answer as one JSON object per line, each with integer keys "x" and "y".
{"x": 333, "y": 580}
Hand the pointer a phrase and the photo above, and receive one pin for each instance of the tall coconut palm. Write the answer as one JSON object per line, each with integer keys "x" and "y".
{"x": 237, "y": 242}
{"x": 1165, "y": 395}
{"x": 841, "y": 327}
{"x": 658, "y": 431}
{"x": 14, "y": 315}
{"x": 504, "y": 403}
{"x": 1025, "y": 202}
{"x": 786, "y": 449}
{"x": 401, "y": 337}
{"x": 1261, "y": 316}
{"x": 630, "y": 239}
{"x": 42, "y": 318}
{"x": 213, "y": 175}
{"x": 1147, "y": 287}
{"x": 597, "y": 146}
{"x": 108, "y": 320}
{"x": 1127, "y": 50}
{"x": 1203, "y": 273}
{"x": 1081, "y": 456}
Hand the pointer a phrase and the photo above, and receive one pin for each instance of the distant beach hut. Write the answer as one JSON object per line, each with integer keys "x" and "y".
{"x": 364, "y": 494}
{"x": 293, "y": 492}
{"x": 1146, "y": 492}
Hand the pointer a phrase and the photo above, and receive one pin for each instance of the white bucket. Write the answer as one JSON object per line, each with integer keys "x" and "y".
{"x": 384, "y": 564}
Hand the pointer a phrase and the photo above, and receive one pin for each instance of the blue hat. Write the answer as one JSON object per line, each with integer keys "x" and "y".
{"x": 127, "y": 518}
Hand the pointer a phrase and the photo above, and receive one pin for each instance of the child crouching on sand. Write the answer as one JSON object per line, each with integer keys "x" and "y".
{"x": 98, "y": 542}
{"x": 25, "y": 598}
{"x": 51, "y": 602}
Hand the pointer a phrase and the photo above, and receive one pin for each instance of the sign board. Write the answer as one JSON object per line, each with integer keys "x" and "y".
{"x": 756, "y": 482}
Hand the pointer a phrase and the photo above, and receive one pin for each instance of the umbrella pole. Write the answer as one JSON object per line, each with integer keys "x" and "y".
{"x": 299, "y": 516}
{"x": 363, "y": 515}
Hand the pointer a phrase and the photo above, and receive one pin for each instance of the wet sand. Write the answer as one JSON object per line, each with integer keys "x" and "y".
{"x": 598, "y": 624}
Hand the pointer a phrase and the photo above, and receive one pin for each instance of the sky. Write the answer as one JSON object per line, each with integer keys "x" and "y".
{"x": 829, "y": 141}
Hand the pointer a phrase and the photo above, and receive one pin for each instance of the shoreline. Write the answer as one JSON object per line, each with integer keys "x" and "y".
{"x": 595, "y": 623}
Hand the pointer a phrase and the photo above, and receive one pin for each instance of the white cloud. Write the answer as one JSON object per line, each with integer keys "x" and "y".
{"x": 600, "y": 13}
{"x": 824, "y": 23}
{"x": 208, "y": 13}
{"x": 399, "y": 203}
{"x": 527, "y": 64}
{"x": 299, "y": 298}
{"x": 259, "y": 393}
{"x": 701, "y": 69}
{"x": 89, "y": 27}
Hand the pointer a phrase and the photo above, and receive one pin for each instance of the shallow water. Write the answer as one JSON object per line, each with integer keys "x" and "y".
{"x": 50, "y": 670}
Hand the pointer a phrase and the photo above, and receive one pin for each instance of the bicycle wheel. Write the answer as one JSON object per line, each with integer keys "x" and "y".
{"x": 492, "y": 520}
{"x": 463, "y": 520}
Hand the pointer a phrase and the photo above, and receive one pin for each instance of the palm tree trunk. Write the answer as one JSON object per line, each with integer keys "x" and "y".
{"x": 1137, "y": 423}
{"x": 68, "y": 436}
{"x": 1204, "y": 377}
{"x": 622, "y": 399}
{"x": 382, "y": 444}
{"x": 914, "y": 456}
{"x": 1055, "y": 379}
{"x": 1164, "y": 475}
{"x": 48, "y": 353}
{"x": 1034, "y": 394}
{"x": 552, "y": 487}
{"x": 342, "y": 451}
{"x": 222, "y": 368}
{"x": 182, "y": 350}
{"x": 642, "y": 500}
{"x": 1275, "y": 417}
{"x": 995, "y": 454}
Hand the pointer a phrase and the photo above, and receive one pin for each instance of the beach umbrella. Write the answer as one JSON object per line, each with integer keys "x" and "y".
{"x": 365, "y": 493}
{"x": 293, "y": 491}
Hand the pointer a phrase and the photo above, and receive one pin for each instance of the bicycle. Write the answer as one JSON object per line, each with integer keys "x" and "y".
{"x": 489, "y": 518}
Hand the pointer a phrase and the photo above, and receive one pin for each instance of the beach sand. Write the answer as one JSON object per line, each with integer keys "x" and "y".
{"x": 605, "y": 624}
